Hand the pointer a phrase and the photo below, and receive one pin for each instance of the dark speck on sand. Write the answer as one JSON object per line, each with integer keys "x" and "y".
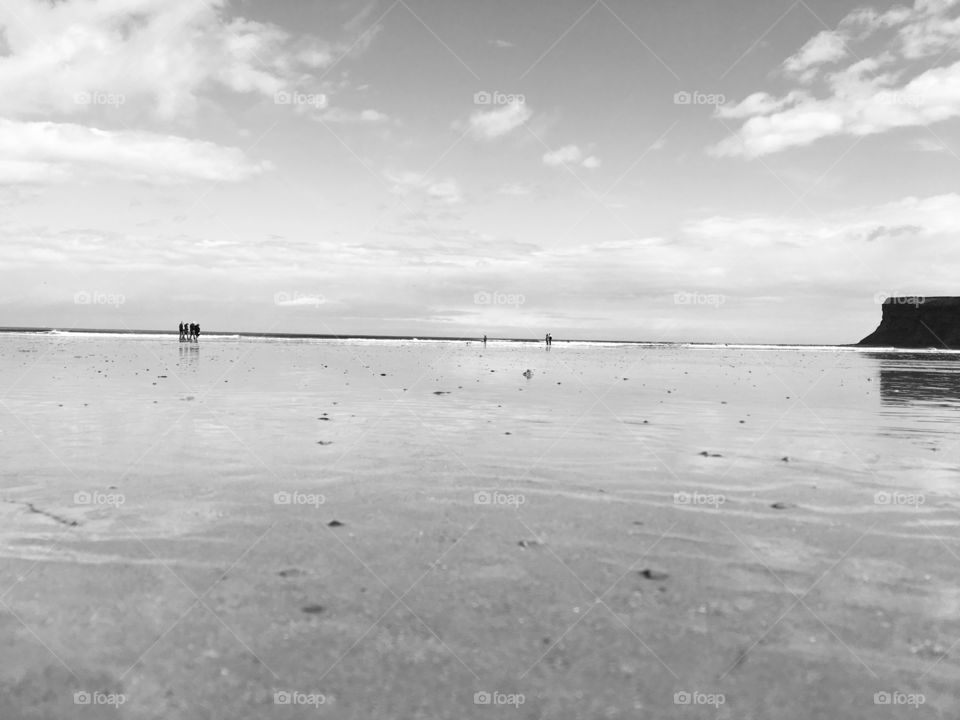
{"x": 653, "y": 574}
{"x": 334, "y": 523}
{"x": 313, "y": 609}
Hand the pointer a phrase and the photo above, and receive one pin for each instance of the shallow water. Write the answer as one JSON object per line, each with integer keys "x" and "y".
{"x": 604, "y": 443}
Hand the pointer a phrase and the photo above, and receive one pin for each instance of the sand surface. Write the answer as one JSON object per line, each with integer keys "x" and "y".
{"x": 772, "y": 532}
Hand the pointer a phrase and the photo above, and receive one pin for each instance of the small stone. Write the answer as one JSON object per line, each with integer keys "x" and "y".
{"x": 653, "y": 574}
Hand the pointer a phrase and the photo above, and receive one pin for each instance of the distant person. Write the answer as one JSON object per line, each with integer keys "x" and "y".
{"x": 196, "y": 332}
{"x": 181, "y": 332}
{"x": 484, "y": 340}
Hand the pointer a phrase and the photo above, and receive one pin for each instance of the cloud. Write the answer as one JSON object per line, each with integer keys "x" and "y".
{"x": 868, "y": 97}
{"x": 570, "y": 155}
{"x": 446, "y": 191}
{"x": 826, "y": 47}
{"x": 341, "y": 115}
{"x": 163, "y": 54}
{"x": 930, "y": 144}
{"x": 494, "y": 124}
{"x": 567, "y": 155}
{"x": 51, "y": 152}
{"x": 405, "y": 183}
{"x": 514, "y": 189}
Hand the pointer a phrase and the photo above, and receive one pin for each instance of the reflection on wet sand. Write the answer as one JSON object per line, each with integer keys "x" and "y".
{"x": 919, "y": 377}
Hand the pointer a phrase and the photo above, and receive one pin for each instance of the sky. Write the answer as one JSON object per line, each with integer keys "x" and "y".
{"x": 737, "y": 171}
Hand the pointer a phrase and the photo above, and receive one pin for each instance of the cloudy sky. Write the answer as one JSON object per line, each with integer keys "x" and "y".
{"x": 738, "y": 171}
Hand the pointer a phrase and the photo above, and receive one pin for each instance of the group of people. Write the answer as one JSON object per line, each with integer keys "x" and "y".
{"x": 189, "y": 332}
{"x": 549, "y": 339}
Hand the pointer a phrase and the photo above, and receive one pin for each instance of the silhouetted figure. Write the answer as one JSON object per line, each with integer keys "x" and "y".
{"x": 181, "y": 332}
{"x": 196, "y": 332}
{"x": 484, "y": 340}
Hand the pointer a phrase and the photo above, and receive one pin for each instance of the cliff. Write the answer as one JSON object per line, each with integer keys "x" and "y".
{"x": 918, "y": 322}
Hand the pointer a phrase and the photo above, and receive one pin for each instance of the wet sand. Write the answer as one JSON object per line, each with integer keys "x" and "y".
{"x": 765, "y": 533}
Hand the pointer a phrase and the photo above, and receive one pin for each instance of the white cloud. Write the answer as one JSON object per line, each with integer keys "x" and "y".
{"x": 930, "y": 144}
{"x": 342, "y": 115}
{"x": 567, "y": 155}
{"x": 760, "y": 103}
{"x": 861, "y": 100}
{"x": 47, "y": 151}
{"x": 407, "y": 182}
{"x": 823, "y": 48}
{"x": 570, "y": 155}
{"x": 514, "y": 190}
{"x": 446, "y": 191}
{"x": 493, "y": 124}
{"x": 162, "y": 54}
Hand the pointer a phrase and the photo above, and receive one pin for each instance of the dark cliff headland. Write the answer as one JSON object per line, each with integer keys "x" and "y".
{"x": 918, "y": 322}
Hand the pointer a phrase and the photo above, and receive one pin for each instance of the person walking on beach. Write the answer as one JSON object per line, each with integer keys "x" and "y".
{"x": 181, "y": 332}
{"x": 196, "y": 332}
{"x": 484, "y": 340}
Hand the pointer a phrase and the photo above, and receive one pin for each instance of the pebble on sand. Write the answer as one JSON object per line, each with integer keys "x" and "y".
{"x": 653, "y": 574}
{"x": 334, "y": 523}
{"x": 313, "y": 609}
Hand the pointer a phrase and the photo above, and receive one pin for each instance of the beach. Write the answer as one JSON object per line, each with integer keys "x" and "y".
{"x": 258, "y": 528}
